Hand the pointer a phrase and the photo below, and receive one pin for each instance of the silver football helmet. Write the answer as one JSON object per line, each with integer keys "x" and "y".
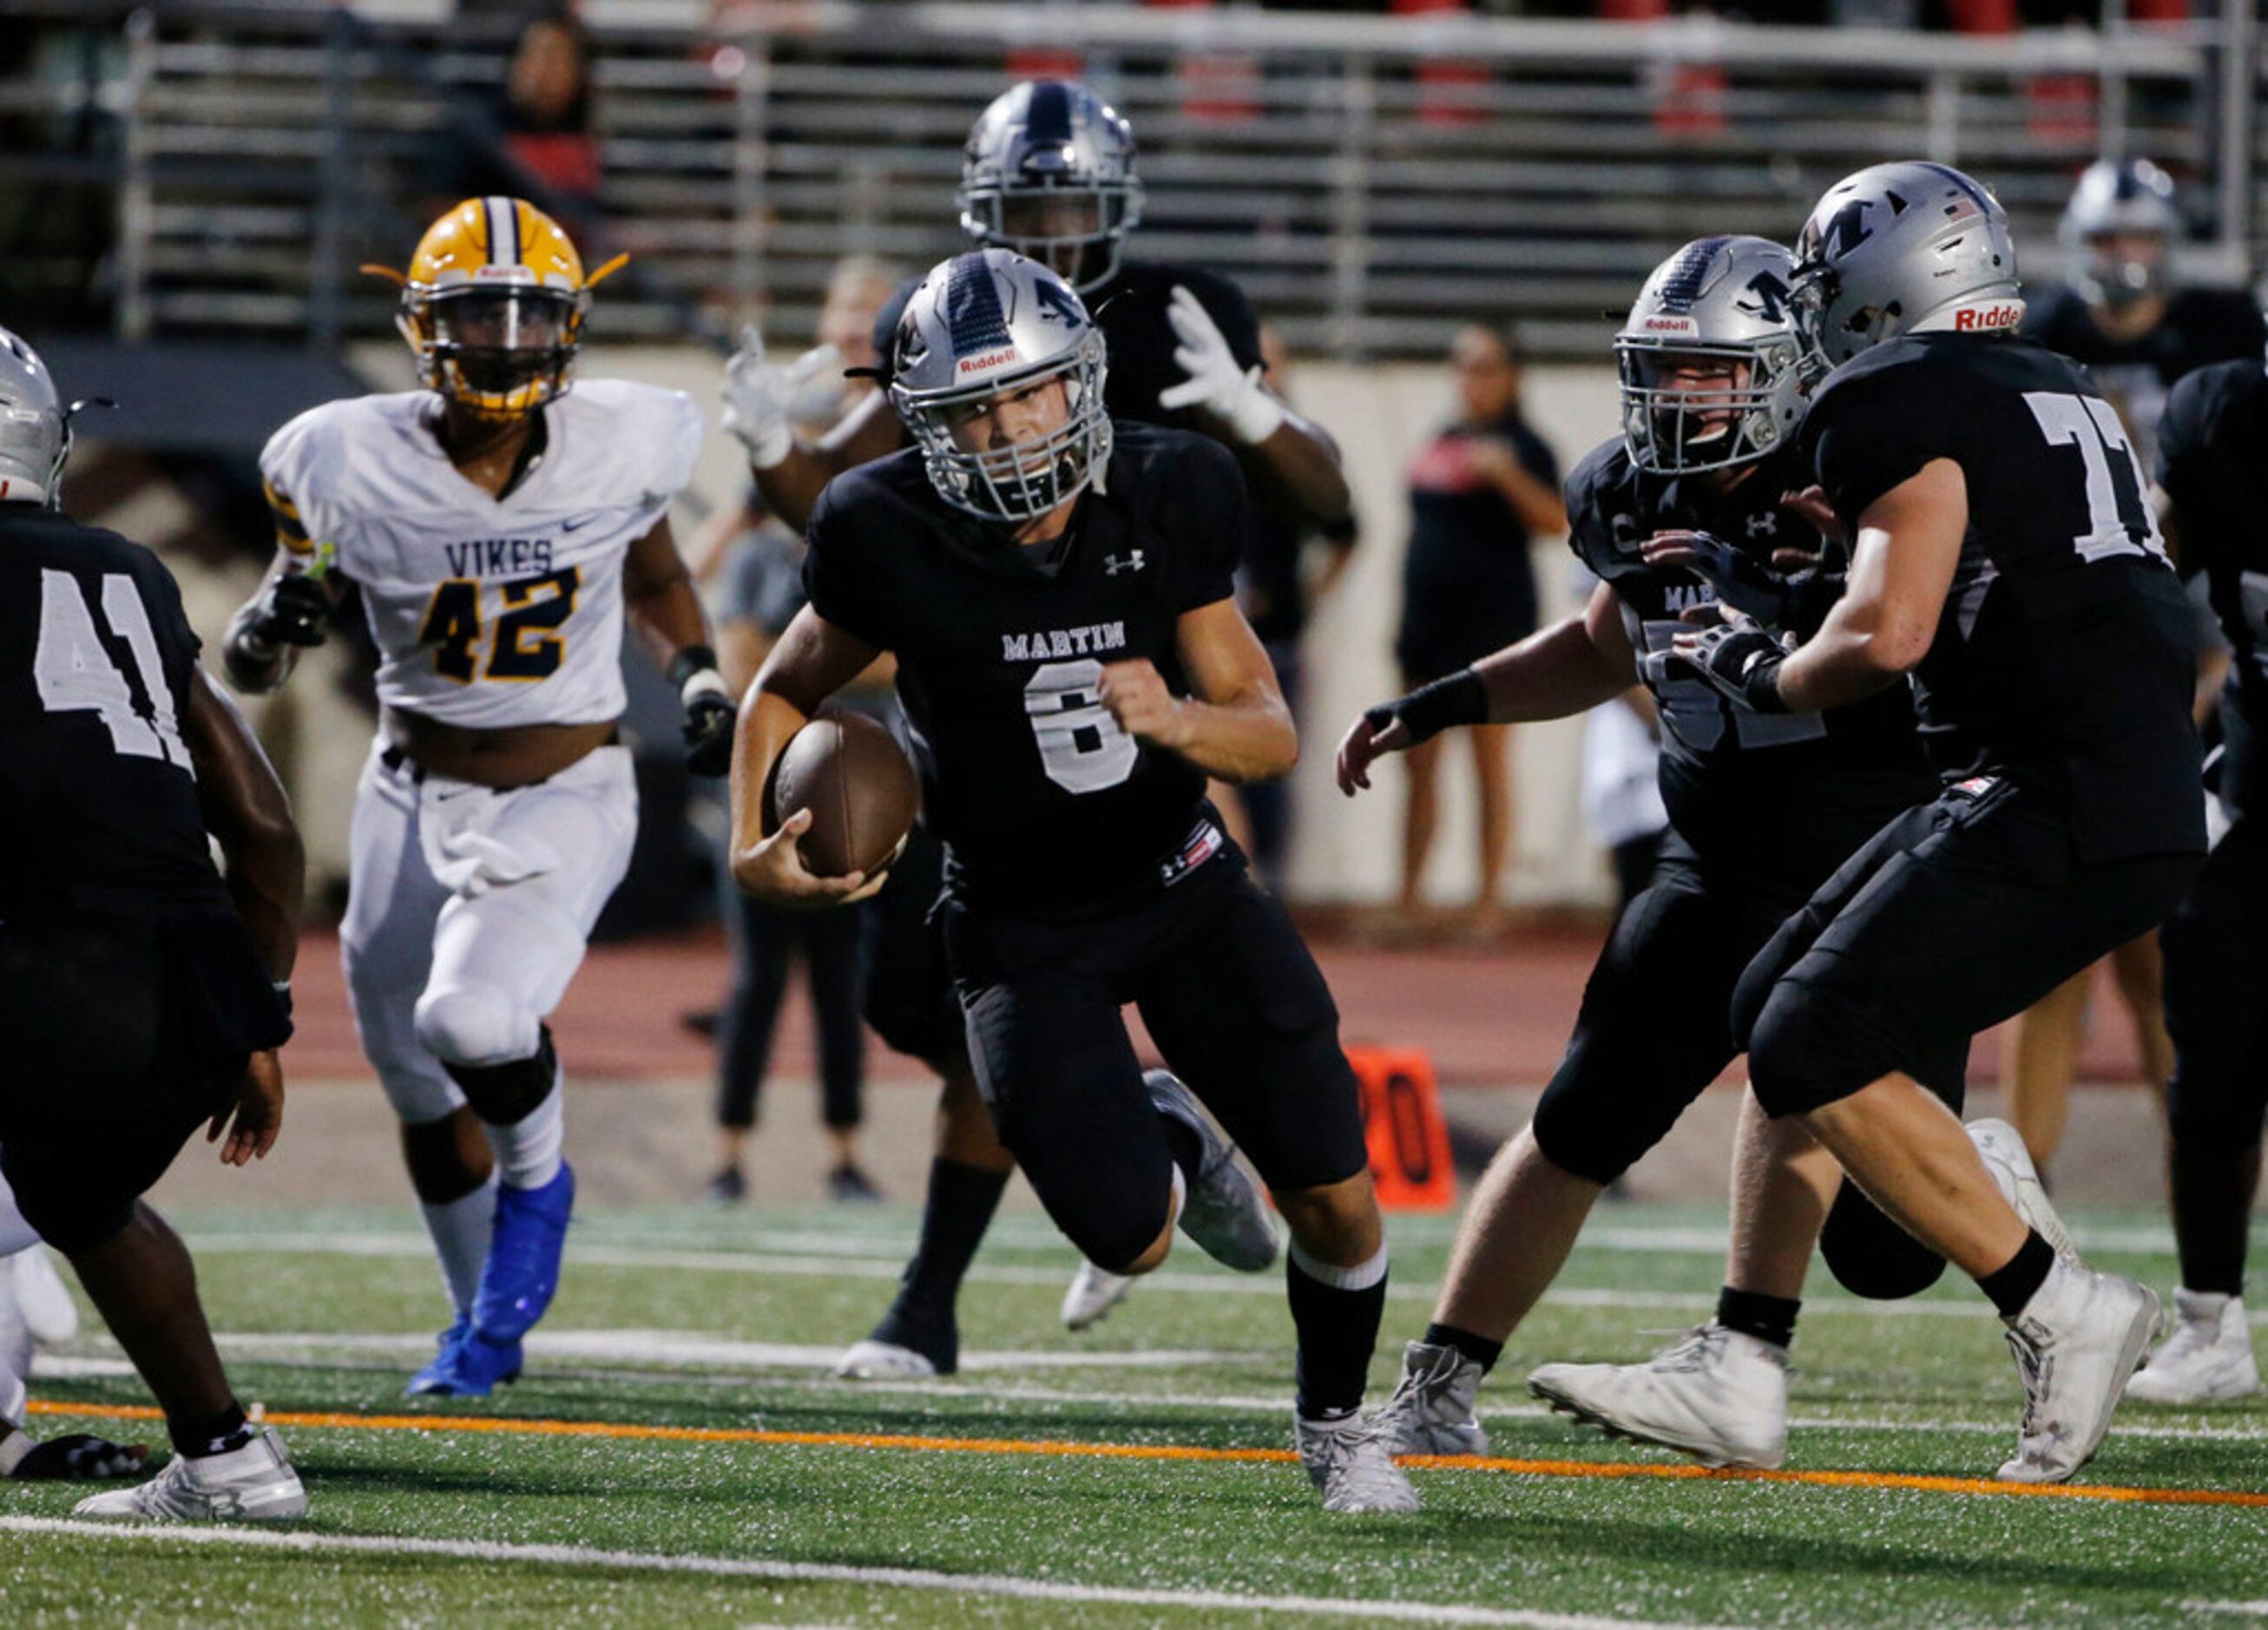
{"x": 986, "y": 326}
{"x": 1910, "y": 248}
{"x": 2118, "y": 198}
{"x": 35, "y": 427}
{"x": 1719, "y": 307}
{"x": 1049, "y": 171}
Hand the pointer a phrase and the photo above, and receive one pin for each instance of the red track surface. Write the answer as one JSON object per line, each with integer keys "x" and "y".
{"x": 1497, "y": 1016}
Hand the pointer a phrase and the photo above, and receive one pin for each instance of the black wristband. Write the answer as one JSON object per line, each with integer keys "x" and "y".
{"x": 688, "y": 662}
{"x": 1461, "y": 698}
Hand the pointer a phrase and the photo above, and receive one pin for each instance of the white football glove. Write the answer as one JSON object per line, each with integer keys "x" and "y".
{"x": 760, "y": 394}
{"x": 1216, "y": 383}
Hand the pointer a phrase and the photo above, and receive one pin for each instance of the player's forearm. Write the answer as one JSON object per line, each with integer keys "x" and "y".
{"x": 666, "y": 616}
{"x": 1302, "y": 463}
{"x": 1555, "y": 672}
{"x": 791, "y": 487}
{"x": 767, "y": 722}
{"x": 245, "y": 808}
{"x": 1848, "y": 661}
{"x": 1246, "y": 739}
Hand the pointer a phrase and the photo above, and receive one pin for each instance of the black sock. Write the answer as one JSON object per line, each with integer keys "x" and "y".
{"x": 1752, "y": 1313}
{"x": 954, "y": 1216}
{"x": 1338, "y": 1331}
{"x": 1480, "y": 1349}
{"x": 1187, "y": 1148}
{"x": 213, "y": 1435}
{"x": 2016, "y": 1284}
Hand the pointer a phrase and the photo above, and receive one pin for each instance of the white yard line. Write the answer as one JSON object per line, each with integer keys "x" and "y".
{"x": 1263, "y": 1285}
{"x": 2246, "y": 1609}
{"x": 998, "y": 1585}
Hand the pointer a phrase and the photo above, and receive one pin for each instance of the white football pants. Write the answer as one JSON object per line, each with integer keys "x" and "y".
{"x": 467, "y": 913}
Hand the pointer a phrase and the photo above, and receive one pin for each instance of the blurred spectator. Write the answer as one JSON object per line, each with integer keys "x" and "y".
{"x": 540, "y": 139}
{"x": 547, "y": 116}
{"x": 1479, "y": 492}
{"x": 2121, "y": 311}
{"x": 764, "y": 591}
{"x": 1282, "y": 580}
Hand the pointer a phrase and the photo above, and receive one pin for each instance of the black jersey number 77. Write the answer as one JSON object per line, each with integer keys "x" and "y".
{"x": 2118, "y": 514}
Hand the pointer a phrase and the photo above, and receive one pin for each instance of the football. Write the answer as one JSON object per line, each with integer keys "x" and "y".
{"x": 862, "y": 792}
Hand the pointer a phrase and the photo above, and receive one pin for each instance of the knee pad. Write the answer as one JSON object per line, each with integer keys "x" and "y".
{"x": 67, "y": 1209}
{"x": 2203, "y": 1110}
{"x": 1871, "y": 1257}
{"x": 472, "y": 1024}
{"x": 504, "y": 1095}
{"x": 1798, "y": 1054}
{"x": 1585, "y": 1138}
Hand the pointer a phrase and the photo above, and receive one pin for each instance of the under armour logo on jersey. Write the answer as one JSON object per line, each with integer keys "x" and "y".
{"x": 1132, "y": 560}
{"x": 1764, "y": 524}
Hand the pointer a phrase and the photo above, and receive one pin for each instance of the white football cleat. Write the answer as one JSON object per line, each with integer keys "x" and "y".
{"x": 2207, "y": 1358}
{"x": 1223, "y": 1211}
{"x": 1716, "y": 1395}
{"x": 1092, "y": 1292}
{"x": 2076, "y": 1343}
{"x": 884, "y": 1361}
{"x": 254, "y": 1484}
{"x": 1352, "y": 1464}
{"x": 1432, "y": 1410}
{"x": 2009, "y": 1164}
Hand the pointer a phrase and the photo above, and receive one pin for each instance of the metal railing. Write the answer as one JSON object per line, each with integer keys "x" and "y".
{"x": 1372, "y": 182}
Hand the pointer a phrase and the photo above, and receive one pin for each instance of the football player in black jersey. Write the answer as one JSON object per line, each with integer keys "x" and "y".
{"x": 1762, "y": 810}
{"x": 1048, "y": 173}
{"x": 2007, "y": 560}
{"x": 2121, "y": 310}
{"x": 2213, "y": 477}
{"x": 1057, "y": 590}
{"x": 142, "y": 994}
{"x": 2123, "y": 314}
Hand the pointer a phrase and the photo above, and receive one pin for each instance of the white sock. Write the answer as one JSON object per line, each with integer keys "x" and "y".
{"x": 460, "y": 1231}
{"x": 527, "y": 1152}
{"x": 1362, "y": 1276}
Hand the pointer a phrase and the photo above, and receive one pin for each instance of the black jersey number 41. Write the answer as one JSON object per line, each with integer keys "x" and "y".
{"x": 74, "y": 672}
{"x": 2118, "y": 517}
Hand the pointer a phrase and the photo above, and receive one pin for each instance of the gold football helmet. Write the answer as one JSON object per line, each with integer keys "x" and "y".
{"x": 493, "y": 306}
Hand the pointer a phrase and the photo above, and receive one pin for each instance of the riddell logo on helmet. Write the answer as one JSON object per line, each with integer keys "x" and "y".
{"x": 1670, "y": 325}
{"x": 1986, "y": 318}
{"x": 986, "y": 360}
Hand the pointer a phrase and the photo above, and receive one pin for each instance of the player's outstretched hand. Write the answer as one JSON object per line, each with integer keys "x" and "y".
{"x": 79, "y": 1458}
{"x": 1810, "y": 507}
{"x": 1136, "y": 694}
{"x": 760, "y": 396}
{"x": 1370, "y": 738}
{"x": 771, "y": 869}
{"x": 1216, "y": 382}
{"x": 257, "y": 1112}
{"x": 1737, "y": 659}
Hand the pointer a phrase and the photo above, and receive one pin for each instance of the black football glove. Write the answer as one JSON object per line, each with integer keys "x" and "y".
{"x": 709, "y": 712}
{"x": 1795, "y": 599}
{"x": 1740, "y": 660}
{"x": 79, "y": 1458}
{"x": 296, "y": 610}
